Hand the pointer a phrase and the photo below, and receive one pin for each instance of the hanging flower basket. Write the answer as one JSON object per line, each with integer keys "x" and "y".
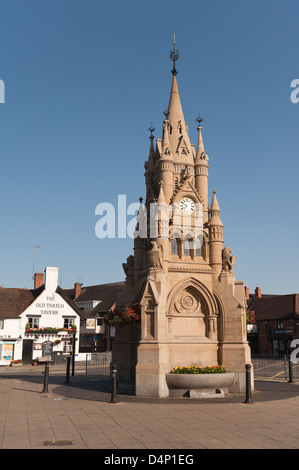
{"x": 124, "y": 315}
{"x": 250, "y": 317}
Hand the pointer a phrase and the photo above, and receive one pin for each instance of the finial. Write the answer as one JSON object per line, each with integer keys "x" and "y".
{"x": 140, "y": 200}
{"x": 214, "y": 192}
{"x": 199, "y": 119}
{"x": 174, "y": 55}
{"x": 165, "y": 112}
{"x": 151, "y": 129}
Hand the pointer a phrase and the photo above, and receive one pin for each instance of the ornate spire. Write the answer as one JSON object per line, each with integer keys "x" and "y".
{"x": 152, "y": 150}
{"x": 161, "y": 197}
{"x": 214, "y": 205}
{"x": 178, "y": 131}
{"x": 174, "y": 55}
{"x": 200, "y": 151}
{"x": 165, "y": 140}
{"x": 215, "y": 211}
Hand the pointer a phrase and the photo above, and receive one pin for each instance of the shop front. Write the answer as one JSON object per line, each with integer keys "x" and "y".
{"x": 6, "y": 351}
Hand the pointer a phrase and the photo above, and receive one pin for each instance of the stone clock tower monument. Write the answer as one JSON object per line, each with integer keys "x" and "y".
{"x": 192, "y": 308}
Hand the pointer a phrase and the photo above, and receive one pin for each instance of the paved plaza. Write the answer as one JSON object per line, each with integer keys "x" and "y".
{"x": 80, "y": 416}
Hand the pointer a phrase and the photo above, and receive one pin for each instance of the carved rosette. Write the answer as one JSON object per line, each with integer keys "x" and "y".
{"x": 187, "y": 302}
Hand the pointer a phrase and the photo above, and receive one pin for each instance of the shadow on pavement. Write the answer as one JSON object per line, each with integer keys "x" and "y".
{"x": 97, "y": 388}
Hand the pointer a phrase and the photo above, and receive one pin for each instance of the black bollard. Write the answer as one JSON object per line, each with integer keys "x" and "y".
{"x": 248, "y": 384}
{"x": 68, "y": 367}
{"x": 113, "y": 384}
{"x": 46, "y": 378}
{"x": 291, "y": 377}
{"x": 73, "y": 353}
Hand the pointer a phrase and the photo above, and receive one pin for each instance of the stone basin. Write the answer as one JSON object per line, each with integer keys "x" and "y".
{"x": 199, "y": 385}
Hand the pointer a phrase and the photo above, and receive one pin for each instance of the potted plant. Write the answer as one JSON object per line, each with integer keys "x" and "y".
{"x": 16, "y": 362}
{"x": 35, "y": 361}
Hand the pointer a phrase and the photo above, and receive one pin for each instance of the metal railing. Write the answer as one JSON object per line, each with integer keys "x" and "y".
{"x": 98, "y": 363}
{"x": 274, "y": 367}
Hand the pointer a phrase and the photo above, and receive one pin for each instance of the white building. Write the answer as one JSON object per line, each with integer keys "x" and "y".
{"x": 29, "y": 318}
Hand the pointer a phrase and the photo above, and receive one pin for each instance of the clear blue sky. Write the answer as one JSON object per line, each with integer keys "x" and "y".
{"x": 85, "y": 78}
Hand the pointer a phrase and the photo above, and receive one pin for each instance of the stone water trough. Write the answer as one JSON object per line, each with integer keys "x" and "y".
{"x": 199, "y": 385}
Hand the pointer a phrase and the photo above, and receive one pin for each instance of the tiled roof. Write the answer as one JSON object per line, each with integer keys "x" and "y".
{"x": 275, "y": 307}
{"x": 105, "y": 294}
{"x": 14, "y": 301}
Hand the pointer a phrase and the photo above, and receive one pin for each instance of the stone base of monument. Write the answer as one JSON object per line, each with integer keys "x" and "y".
{"x": 199, "y": 385}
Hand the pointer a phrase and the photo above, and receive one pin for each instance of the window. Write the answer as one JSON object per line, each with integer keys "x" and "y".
{"x": 67, "y": 347}
{"x": 1, "y": 324}
{"x": 188, "y": 245}
{"x": 279, "y": 324}
{"x": 99, "y": 321}
{"x": 33, "y": 322}
{"x": 68, "y": 322}
{"x": 198, "y": 246}
{"x": 175, "y": 245}
{"x": 86, "y": 341}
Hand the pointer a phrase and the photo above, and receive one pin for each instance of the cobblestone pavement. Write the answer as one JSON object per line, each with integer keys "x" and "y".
{"x": 80, "y": 416}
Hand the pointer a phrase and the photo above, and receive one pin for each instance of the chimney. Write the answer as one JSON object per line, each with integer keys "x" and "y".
{"x": 258, "y": 293}
{"x": 38, "y": 280}
{"x": 246, "y": 293}
{"x": 77, "y": 289}
{"x": 51, "y": 280}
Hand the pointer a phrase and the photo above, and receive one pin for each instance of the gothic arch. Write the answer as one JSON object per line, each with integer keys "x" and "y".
{"x": 202, "y": 291}
{"x": 193, "y": 310}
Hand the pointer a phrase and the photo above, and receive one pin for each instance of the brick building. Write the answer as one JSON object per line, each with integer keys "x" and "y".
{"x": 277, "y": 322}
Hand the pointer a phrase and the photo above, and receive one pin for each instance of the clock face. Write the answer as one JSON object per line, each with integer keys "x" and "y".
{"x": 187, "y": 205}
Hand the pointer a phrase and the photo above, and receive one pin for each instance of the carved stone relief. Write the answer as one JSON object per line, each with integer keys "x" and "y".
{"x": 187, "y": 302}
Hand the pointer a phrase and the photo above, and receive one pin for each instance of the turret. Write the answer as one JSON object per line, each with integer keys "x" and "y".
{"x": 139, "y": 237}
{"x": 216, "y": 236}
{"x": 166, "y": 164}
{"x": 201, "y": 168}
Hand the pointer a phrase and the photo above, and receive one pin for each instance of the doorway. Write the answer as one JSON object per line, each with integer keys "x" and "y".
{"x": 27, "y": 351}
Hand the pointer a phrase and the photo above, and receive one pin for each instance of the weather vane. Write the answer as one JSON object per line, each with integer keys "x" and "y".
{"x": 199, "y": 119}
{"x": 151, "y": 129}
{"x": 174, "y": 55}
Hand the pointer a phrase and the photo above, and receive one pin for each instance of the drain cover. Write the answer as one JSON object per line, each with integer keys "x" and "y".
{"x": 58, "y": 443}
